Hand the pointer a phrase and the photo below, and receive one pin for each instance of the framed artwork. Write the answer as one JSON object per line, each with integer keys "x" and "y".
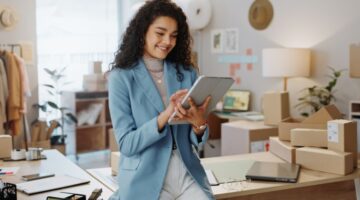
{"x": 231, "y": 41}
{"x": 217, "y": 41}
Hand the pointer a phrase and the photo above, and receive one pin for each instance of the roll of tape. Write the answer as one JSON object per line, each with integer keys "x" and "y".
{"x": 198, "y": 12}
{"x": 18, "y": 154}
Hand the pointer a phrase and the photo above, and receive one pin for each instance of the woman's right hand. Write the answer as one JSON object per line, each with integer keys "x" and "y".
{"x": 174, "y": 99}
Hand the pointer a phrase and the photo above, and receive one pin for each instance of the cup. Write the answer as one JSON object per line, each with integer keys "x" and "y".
{"x": 34, "y": 153}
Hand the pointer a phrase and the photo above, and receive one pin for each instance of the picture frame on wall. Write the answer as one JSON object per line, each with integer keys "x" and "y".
{"x": 217, "y": 40}
{"x": 231, "y": 40}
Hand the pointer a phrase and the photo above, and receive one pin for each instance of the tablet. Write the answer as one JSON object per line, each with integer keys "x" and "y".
{"x": 203, "y": 87}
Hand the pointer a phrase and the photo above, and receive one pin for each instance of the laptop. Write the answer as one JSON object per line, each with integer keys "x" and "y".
{"x": 271, "y": 171}
{"x": 236, "y": 101}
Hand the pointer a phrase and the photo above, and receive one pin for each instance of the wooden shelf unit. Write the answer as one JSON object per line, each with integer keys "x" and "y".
{"x": 354, "y": 110}
{"x": 86, "y": 137}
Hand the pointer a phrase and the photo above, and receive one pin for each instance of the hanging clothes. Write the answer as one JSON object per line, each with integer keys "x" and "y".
{"x": 25, "y": 81}
{"x": 4, "y": 93}
{"x": 15, "y": 101}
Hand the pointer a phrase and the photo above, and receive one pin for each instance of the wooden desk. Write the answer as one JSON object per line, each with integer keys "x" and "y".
{"x": 58, "y": 164}
{"x": 311, "y": 184}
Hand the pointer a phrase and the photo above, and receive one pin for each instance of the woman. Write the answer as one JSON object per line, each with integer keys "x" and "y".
{"x": 151, "y": 73}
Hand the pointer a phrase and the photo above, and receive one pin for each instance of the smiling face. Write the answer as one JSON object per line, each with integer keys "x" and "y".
{"x": 160, "y": 37}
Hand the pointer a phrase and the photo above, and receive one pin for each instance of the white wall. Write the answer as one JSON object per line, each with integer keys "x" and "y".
{"x": 328, "y": 27}
{"x": 25, "y": 30}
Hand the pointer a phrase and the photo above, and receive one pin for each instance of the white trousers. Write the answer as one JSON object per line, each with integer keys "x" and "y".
{"x": 178, "y": 182}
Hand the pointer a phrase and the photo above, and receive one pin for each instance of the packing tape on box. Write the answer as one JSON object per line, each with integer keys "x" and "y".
{"x": 18, "y": 154}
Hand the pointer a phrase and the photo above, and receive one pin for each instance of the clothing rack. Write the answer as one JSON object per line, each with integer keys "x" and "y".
{"x": 12, "y": 49}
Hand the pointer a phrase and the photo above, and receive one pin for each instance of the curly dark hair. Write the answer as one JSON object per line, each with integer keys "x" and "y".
{"x": 132, "y": 46}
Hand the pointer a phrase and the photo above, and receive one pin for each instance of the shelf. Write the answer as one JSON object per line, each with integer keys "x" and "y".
{"x": 89, "y": 126}
{"x": 87, "y": 138}
{"x": 355, "y": 114}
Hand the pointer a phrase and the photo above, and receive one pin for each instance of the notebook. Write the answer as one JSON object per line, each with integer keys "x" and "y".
{"x": 271, "y": 171}
{"x": 228, "y": 171}
{"x": 48, "y": 184}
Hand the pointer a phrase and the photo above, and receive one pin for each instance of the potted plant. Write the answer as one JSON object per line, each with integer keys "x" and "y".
{"x": 316, "y": 97}
{"x": 51, "y": 107}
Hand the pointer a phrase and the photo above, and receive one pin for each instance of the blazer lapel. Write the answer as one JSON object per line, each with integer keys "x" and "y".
{"x": 143, "y": 78}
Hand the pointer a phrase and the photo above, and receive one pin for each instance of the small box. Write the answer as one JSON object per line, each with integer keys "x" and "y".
{"x": 324, "y": 115}
{"x": 112, "y": 141}
{"x": 95, "y": 67}
{"x": 5, "y": 146}
{"x": 237, "y": 136}
{"x": 342, "y": 136}
{"x": 354, "y": 61}
{"x": 325, "y": 160}
{"x": 283, "y": 149}
{"x": 276, "y": 107}
{"x": 309, "y": 137}
{"x": 114, "y": 162}
{"x": 94, "y": 82}
{"x": 212, "y": 148}
{"x": 290, "y": 123}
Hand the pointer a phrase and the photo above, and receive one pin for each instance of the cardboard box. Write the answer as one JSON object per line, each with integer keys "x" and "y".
{"x": 282, "y": 149}
{"x": 60, "y": 148}
{"x": 94, "y": 82}
{"x": 324, "y": 115}
{"x": 5, "y": 146}
{"x": 309, "y": 137}
{"x": 112, "y": 141}
{"x": 342, "y": 136}
{"x": 354, "y": 61}
{"x": 290, "y": 123}
{"x": 325, "y": 160}
{"x": 95, "y": 67}
{"x": 275, "y": 107}
{"x": 114, "y": 162}
{"x": 238, "y": 136}
{"x": 212, "y": 148}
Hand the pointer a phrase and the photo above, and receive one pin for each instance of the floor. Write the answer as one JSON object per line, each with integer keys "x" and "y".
{"x": 96, "y": 159}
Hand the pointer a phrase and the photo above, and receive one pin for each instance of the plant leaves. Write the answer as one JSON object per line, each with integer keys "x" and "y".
{"x": 72, "y": 117}
{"x": 53, "y": 105}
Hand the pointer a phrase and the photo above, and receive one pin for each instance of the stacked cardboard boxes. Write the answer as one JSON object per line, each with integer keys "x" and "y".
{"x": 321, "y": 138}
{"x": 96, "y": 80}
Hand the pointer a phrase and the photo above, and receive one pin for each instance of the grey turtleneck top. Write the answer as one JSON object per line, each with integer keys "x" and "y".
{"x": 155, "y": 68}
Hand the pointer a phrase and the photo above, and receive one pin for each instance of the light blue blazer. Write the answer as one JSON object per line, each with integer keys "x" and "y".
{"x": 135, "y": 104}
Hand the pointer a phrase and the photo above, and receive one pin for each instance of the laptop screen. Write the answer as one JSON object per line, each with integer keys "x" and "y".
{"x": 271, "y": 171}
{"x": 236, "y": 101}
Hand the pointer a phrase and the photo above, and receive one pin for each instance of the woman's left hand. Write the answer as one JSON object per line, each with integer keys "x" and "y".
{"x": 196, "y": 115}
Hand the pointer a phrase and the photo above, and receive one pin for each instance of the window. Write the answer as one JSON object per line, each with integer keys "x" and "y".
{"x": 73, "y": 34}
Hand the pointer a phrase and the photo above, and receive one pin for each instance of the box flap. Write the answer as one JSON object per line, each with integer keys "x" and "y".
{"x": 325, "y": 114}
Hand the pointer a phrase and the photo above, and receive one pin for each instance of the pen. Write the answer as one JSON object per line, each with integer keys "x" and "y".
{"x": 6, "y": 173}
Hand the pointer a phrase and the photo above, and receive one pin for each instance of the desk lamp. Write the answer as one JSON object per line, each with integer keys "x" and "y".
{"x": 285, "y": 63}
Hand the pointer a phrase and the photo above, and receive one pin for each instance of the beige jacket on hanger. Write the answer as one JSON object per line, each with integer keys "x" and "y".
{"x": 15, "y": 100}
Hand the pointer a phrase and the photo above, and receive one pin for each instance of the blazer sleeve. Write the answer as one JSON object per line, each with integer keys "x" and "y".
{"x": 193, "y": 137}
{"x": 131, "y": 139}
